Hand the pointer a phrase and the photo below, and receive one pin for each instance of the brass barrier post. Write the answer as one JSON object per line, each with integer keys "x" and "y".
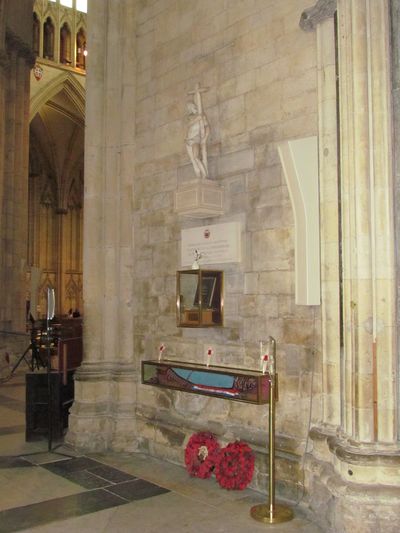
{"x": 271, "y": 513}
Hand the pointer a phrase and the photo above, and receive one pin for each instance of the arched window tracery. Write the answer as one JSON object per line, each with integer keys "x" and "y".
{"x": 48, "y": 39}
{"x": 36, "y": 34}
{"x": 81, "y": 49}
{"x": 65, "y": 45}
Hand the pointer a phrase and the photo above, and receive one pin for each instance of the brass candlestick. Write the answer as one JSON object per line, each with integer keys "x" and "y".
{"x": 271, "y": 513}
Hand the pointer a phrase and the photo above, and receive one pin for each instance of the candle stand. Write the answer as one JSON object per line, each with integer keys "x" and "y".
{"x": 271, "y": 513}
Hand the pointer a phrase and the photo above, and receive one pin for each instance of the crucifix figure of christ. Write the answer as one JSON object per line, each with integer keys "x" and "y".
{"x": 197, "y": 133}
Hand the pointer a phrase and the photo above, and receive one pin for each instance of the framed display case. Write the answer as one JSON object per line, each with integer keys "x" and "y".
{"x": 199, "y": 298}
{"x": 220, "y": 382}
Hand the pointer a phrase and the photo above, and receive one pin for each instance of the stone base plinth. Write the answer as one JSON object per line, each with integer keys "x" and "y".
{"x": 352, "y": 490}
{"x": 103, "y": 414}
{"x": 199, "y": 199}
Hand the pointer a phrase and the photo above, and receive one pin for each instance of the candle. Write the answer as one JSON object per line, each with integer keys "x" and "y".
{"x": 209, "y": 354}
{"x": 265, "y": 364}
{"x": 160, "y": 351}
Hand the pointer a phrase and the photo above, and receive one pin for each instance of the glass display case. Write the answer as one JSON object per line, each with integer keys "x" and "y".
{"x": 199, "y": 298}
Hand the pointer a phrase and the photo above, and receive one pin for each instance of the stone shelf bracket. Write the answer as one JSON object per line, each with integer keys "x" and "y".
{"x": 200, "y": 198}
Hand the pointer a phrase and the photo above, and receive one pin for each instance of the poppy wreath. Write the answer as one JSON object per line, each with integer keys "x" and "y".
{"x": 201, "y": 454}
{"x": 235, "y": 466}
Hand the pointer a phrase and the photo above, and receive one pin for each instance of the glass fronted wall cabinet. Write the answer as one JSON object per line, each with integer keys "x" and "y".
{"x": 199, "y": 298}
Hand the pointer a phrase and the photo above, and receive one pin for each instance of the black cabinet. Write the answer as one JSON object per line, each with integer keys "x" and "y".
{"x": 61, "y": 389}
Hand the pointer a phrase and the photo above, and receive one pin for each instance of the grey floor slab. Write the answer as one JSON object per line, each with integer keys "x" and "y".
{"x": 86, "y": 480}
{"x": 57, "y": 509}
{"x": 110, "y": 474}
{"x": 13, "y": 462}
{"x": 42, "y": 458}
{"x": 75, "y": 464}
{"x": 137, "y": 490}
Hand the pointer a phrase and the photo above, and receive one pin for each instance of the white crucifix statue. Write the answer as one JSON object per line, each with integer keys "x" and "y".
{"x": 197, "y": 133}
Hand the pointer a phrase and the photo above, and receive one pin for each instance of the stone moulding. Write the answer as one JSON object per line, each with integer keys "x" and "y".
{"x": 313, "y": 16}
{"x": 357, "y": 454}
{"x": 106, "y": 372}
{"x": 358, "y": 491}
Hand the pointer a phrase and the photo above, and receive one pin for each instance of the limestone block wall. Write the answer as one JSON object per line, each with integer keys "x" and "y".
{"x": 268, "y": 80}
{"x": 261, "y": 72}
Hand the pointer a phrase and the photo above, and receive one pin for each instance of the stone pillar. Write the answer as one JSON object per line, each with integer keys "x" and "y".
{"x": 395, "y": 57}
{"x": 352, "y": 472}
{"x": 368, "y": 233}
{"x": 16, "y": 60}
{"x": 329, "y": 215}
{"x": 103, "y": 412}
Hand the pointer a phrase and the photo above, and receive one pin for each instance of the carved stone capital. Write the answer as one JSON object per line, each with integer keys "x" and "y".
{"x": 312, "y": 16}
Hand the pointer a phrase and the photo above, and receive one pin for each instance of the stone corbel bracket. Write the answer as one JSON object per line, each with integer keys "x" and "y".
{"x": 312, "y": 16}
{"x": 200, "y": 198}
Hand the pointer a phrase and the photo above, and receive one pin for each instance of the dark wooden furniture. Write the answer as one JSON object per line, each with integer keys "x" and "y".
{"x": 53, "y": 390}
{"x": 37, "y": 403}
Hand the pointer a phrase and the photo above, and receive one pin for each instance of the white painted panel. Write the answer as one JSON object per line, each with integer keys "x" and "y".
{"x": 299, "y": 159}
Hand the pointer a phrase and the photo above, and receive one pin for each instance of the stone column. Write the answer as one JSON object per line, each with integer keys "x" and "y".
{"x": 14, "y": 178}
{"x": 352, "y": 473}
{"x": 3, "y": 78}
{"x": 329, "y": 215}
{"x": 103, "y": 413}
{"x": 395, "y": 57}
{"x": 367, "y": 226}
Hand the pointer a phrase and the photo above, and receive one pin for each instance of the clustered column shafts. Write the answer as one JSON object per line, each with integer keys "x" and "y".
{"x": 17, "y": 60}
{"x": 367, "y": 225}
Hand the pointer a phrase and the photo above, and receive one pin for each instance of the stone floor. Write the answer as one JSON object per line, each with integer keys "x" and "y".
{"x": 65, "y": 491}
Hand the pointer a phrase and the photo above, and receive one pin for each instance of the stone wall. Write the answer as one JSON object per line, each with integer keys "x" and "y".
{"x": 268, "y": 82}
{"x": 261, "y": 72}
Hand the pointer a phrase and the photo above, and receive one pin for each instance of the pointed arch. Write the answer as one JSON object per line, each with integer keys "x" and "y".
{"x": 65, "y": 81}
{"x": 65, "y": 44}
{"x": 81, "y": 48}
{"x": 36, "y": 34}
{"x": 48, "y": 38}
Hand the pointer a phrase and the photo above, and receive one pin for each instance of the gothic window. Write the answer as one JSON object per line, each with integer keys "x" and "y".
{"x": 81, "y": 49}
{"x": 48, "y": 39}
{"x": 81, "y": 5}
{"x": 65, "y": 44}
{"x": 36, "y": 35}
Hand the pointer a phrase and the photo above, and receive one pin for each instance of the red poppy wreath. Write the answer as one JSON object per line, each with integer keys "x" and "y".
{"x": 235, "y": 466}
{"x": 201, "y": 454}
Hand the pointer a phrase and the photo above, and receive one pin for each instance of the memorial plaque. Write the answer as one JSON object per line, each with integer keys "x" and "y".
{"x": 217, "y": 243}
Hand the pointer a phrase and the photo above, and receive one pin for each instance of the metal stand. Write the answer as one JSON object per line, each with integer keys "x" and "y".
{"x": 34, "y": 362}
{"x": 50, "y": 316}
{"x": 271, "y": 513}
